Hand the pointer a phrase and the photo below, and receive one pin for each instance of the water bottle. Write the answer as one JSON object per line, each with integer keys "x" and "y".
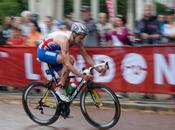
{"x": 71, "y": 89}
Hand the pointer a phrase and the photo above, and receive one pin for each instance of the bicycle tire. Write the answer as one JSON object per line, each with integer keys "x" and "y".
{"x": 88, "y": 117}
{"x": 26, "y": 106}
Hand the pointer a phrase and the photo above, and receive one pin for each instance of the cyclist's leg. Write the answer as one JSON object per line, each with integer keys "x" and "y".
{"x": 55, "y": 59}
{"x": 65, "y": 72}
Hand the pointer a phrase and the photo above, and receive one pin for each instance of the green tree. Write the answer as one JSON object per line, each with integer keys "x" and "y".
{"x": 160, "y": 8}
{"x": 86, "y": 2}
{"x": 122, "y": 7}
{"x": 68, "y": 6}
{"x": 8, "y": 9}
{"x": 11, "y": 8}
{"x": 23, "y": 4}
{"x": 102, "y": 6}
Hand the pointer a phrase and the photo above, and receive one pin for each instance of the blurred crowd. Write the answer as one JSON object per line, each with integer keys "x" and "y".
{"x": 27, "y": 29}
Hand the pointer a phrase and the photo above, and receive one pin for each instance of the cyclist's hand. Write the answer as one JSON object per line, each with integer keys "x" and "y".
{"x": 101, "y": 70}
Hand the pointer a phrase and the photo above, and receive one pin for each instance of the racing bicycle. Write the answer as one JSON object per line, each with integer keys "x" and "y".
{"x": 43, "y": 105}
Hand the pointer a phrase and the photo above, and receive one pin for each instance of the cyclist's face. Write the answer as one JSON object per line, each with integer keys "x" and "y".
{"x": 79, "y": 39}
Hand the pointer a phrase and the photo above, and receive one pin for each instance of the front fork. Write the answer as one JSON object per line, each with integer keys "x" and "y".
{"x": 94, "y": 95}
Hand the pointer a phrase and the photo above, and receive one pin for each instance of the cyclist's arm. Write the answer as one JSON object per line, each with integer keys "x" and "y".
{"x": 86, "y": 56}
{"x": 65, "y": 56}
{"x": 90, "y": 60}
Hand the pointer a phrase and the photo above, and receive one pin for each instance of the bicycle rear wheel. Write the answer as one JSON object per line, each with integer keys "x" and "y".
{"x": 100, "y": 106}
{"x": 40, "y": 103}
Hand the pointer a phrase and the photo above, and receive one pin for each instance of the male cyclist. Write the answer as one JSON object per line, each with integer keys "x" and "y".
{"x": 54, "y": 50}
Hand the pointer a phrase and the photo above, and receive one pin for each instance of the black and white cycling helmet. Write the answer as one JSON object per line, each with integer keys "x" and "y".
{"x": 79, "y": 28}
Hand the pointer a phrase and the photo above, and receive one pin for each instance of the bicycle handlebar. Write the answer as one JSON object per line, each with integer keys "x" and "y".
{"x": 88, "y": 71}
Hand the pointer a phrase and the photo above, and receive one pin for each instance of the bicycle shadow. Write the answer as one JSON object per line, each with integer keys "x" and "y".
{"x": 40, "y": 127}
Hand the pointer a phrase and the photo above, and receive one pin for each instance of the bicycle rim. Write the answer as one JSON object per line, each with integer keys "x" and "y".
{"x": 101, "y": 108}
{"x": 40, "y": 103}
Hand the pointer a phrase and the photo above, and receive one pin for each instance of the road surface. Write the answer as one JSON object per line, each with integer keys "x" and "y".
{"x": 13, "y": 117}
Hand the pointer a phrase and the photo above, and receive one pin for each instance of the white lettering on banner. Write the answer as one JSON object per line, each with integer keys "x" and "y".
{"x": 134, "y": 68}
{"x": 29, "y": 68}
{"x": 4, "y": 54}
{"x": 162, "y": 68}
{"x": 110, "y": 74}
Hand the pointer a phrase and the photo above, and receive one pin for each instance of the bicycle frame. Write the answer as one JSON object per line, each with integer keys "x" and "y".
{"x": 79, "y": 87}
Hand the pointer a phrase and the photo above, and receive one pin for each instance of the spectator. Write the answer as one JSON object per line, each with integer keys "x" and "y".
{"x": 2, "y": 39}
{"x": 34, "y": 17}
{"x": 58, "y": 22}
{"x": 26, "y": 20}
{"x": 161, "y": 20}
{"x": 148, "y": 29}
{"x": 35, "y": 35}
{"x": 7, "y": 29}
{"x": 119, "y": 35}
{"x": 102, "y": 28}
{"x": 16, "y": 39}
{"x": 17, "y": 22}
{"x": 47, "y": 26}
{"x": 169, "y": 28}
{"x": 64, "y": 27}
{"x": 68, "y": 20}
{"x": 91, "y": 39}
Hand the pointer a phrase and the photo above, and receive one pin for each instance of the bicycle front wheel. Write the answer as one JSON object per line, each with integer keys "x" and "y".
{"x": 40, "y": 103}
{"x": 100, "y": 106}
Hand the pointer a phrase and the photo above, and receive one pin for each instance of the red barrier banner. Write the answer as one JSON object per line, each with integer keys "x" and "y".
{"x": 148, "y": 69}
